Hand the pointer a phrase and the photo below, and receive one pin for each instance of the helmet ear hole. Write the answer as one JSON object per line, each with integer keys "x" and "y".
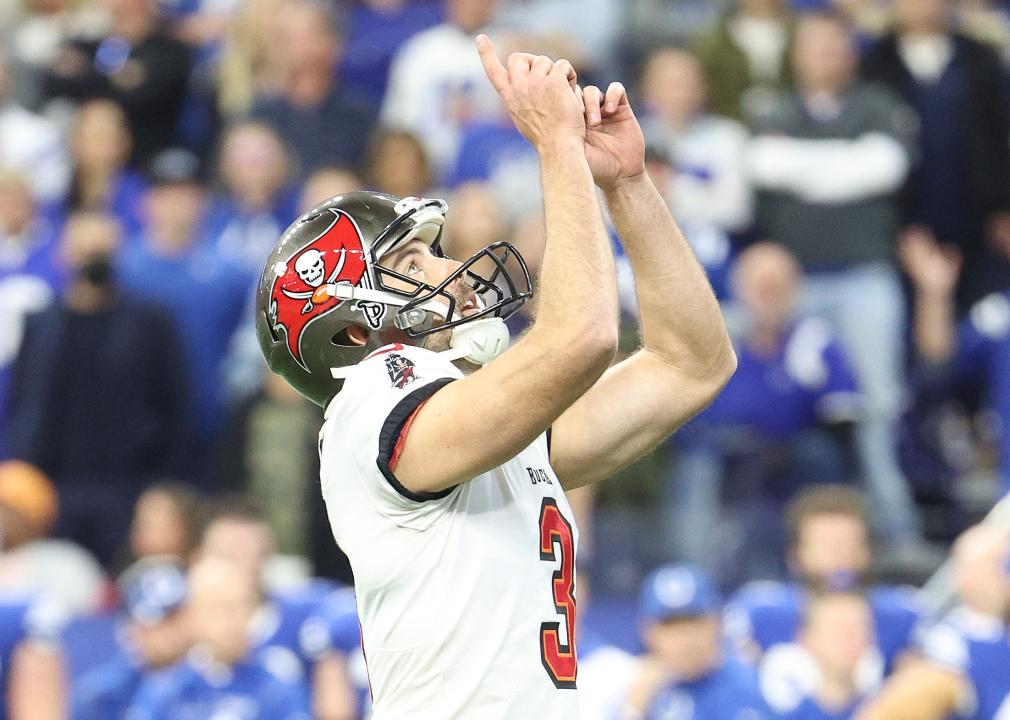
{"x": 352, "y": 336}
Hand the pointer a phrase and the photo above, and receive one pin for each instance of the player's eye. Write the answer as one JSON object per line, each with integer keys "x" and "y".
{"x": 413, "y": 269}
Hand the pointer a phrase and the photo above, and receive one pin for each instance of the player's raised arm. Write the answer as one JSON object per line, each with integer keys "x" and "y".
{"x": 686, "y": 355}
{"x": 476, "y": 424}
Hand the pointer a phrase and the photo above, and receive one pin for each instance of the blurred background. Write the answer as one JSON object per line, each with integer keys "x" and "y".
{"x": 840, "y": 167}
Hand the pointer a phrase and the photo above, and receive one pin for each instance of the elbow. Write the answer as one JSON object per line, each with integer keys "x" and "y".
{"x": 599, "y": 347}
{"x": 590, "y": 352}
{"x": 717, "y": 371}
{"x": 723, "y": 367}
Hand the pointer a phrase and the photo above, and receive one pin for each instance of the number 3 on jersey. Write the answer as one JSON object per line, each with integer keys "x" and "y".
{"x": 556, "y": 536}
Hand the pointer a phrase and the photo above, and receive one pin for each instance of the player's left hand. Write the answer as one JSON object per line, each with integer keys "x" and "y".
{"x": 615, "y": 146}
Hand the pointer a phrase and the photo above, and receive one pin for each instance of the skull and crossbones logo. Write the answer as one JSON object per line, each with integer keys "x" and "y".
{"x": 311, "y": 268}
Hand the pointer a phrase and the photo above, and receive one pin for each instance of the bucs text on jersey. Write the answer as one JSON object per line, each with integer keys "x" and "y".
{"x": 467, "y": 596}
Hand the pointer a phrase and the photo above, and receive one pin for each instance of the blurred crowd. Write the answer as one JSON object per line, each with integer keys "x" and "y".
{"x": 840, "y": 167}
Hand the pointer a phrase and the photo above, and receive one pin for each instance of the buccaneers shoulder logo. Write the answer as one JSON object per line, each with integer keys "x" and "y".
{"x": 401, "y": 370}
{"x": 300, "y": 295}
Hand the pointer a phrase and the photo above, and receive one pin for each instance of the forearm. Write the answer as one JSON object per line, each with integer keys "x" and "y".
{"x": 578, "y": 285}
{"x": 37, "y": 686}
{"x": 679, "y": 315}
{"x": 934, "y": 327}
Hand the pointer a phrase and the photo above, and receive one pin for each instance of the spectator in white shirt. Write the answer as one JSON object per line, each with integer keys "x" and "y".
{"x": 437, "y": 84}
{"x": 31, "y": 145}
{"x": 707, "y": 150}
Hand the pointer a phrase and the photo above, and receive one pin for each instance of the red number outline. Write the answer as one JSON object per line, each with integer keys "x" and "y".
{"x": 559, "y": 660}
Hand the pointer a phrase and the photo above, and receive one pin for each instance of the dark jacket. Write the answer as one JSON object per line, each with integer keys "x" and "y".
{"x": 984, "y": 117}
{"x": 138, "y": 430}
{"x": 150, "y": 86}
{"x": 964, "y": 171}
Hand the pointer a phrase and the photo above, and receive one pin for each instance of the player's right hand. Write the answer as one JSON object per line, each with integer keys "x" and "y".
{"x": 538, "y": 93}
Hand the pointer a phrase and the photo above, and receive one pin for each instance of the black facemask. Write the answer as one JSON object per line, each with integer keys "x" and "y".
{"x": 97, "y": 270}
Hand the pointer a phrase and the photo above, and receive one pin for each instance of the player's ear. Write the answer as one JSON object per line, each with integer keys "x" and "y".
{"x": 355, "y": 336}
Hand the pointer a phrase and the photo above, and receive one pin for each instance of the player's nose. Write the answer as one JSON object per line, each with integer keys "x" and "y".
{"x": 445, "y": 267}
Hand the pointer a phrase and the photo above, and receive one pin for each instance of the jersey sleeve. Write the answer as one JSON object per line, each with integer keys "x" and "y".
{"x": 364, "y": 430}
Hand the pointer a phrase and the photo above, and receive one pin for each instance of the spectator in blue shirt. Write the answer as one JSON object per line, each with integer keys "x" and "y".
{"x": 375, "y": 31}
{"x": 237, "y": 530}
{"x": 32, "y": 685}
{"x": 964, "y": 670}
{"x": 829, "y": 550}
{"x": 331, "y": 639}
{"x": 154, "y": 635}
{"x": 222, "y": 676}
{"x": 782, "y": 421}
{"x": 494, "y": 152}
{"x": 684, "y": 674}
{"x": 832, "y": 666}
{"x": 256, "y": 202}
{"x": 203, "y": 292}
{"x": 977, "y": 348}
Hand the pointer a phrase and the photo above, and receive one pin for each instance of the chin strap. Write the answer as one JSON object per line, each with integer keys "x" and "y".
{"x": 479, "y": 342}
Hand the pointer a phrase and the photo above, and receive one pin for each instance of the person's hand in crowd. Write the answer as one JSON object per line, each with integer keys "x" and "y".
{"x": 999, "y": 232}
{"x": 615, "y": 146}
{"x": 933, "y": 268}
{"x": 69, "y": 61}
{"x": 538, "y": 94}
{"x": 650, "y": 678}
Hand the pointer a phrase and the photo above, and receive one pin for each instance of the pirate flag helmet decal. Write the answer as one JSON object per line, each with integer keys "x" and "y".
{"x": 325, "y": 278}
{"x": 299, "y": 296}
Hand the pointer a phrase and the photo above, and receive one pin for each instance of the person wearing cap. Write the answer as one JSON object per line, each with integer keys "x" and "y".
{"x": 170, "y": 264}
{"x": 223, "y": 675}
{"x": 829, "y": 549}
{"x": 963, "y": 668}
{"x": 33, "y": 563}
{"x": 153, "y": 635}
{"x": 684, "y": 673}
{"x": 833, "y": 665}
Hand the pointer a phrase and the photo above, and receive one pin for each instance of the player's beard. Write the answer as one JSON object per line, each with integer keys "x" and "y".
{"x": 441, "y": 340}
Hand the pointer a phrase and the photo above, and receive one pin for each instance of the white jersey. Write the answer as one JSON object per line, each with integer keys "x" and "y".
{"x": 466, "y": 597}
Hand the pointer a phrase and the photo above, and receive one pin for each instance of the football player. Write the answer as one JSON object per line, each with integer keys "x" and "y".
{"x": 445, "y": 456}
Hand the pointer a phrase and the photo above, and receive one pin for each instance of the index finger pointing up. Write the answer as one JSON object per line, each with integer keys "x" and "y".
{"x": 496, "y": 72}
